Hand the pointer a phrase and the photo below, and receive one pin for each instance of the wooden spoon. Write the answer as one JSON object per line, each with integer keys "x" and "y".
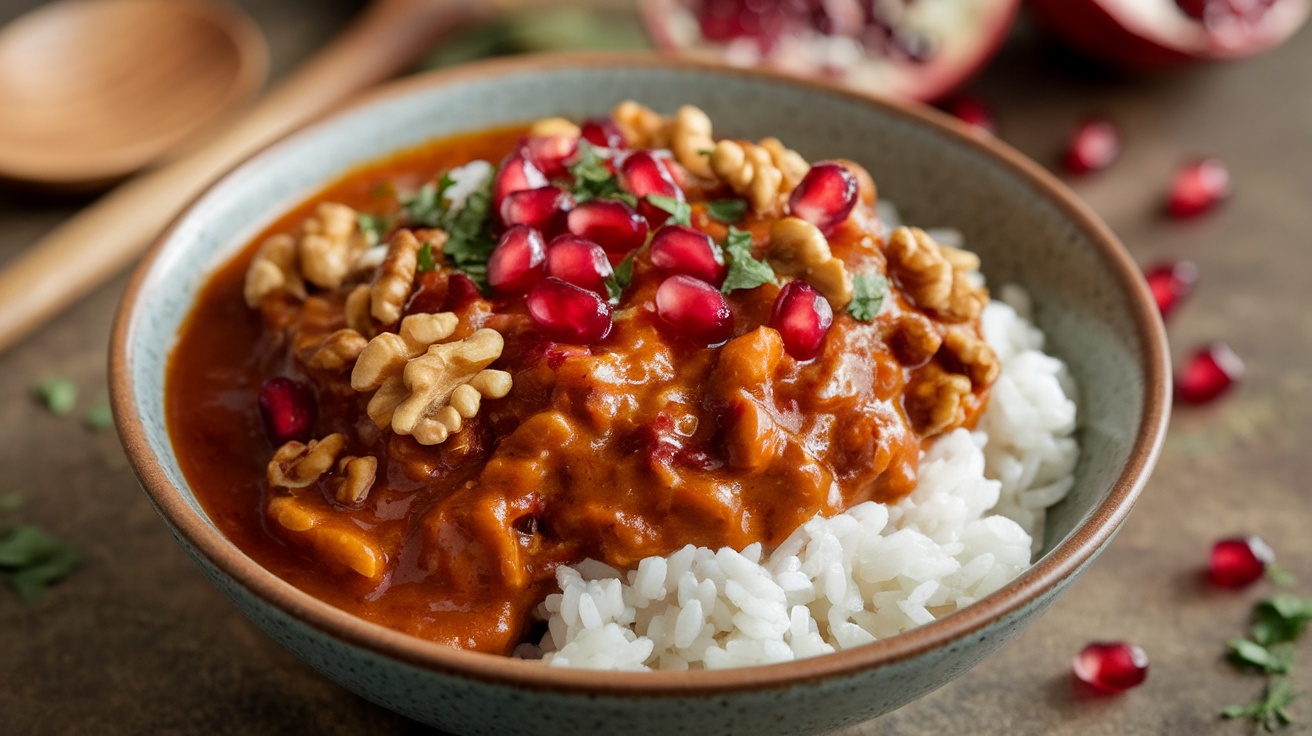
{"x": 101, "y": 240}
{"x": 92, "y": 90}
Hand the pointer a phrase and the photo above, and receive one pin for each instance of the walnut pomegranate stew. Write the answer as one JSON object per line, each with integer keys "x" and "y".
{"x": 634, "y": 396}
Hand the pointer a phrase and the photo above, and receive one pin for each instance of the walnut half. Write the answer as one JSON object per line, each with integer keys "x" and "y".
{"x": 935, "y": 278}
{"x": 798, "y": 248}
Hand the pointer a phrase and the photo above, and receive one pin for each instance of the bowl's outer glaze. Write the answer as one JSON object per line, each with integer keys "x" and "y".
{"x": 1026, "y": 227}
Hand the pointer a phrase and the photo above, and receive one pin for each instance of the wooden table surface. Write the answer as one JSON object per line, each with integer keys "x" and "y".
{"x": 137, "y": 642}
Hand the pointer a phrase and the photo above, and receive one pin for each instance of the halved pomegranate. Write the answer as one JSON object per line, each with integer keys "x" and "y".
{"x": 518, "y": 261}
{"x": 906, "y": 48}
{"x": 580, "y": 262}
{"x": 694, "y": 310}
{"x": 613, "y": 225}
{"x": 568, "y": 313}
{"x": 1153, "y": 34}
{"x": 677, "y": 249}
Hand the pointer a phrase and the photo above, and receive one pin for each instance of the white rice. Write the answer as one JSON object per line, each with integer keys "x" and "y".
{"x": 969, "y": 527}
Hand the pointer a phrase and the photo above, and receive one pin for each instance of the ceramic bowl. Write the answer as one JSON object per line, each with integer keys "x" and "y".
{"x": 1025, "y": 225}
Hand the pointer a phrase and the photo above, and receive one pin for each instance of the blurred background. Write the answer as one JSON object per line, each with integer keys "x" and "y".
{"x": 1185, "y": 124}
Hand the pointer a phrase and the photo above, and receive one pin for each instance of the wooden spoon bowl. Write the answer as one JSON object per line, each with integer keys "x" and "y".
{"x": 92, "y": 90}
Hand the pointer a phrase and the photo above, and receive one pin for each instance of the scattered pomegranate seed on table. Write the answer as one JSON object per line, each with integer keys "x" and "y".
{"x": 694, "y": 310}
{"x": 579, "y": 261}
{"x": 1111, "y": 666}
{"x": 1170, "y": 282}
{"x": 543, "y": 208}
{"x": 1239, "y": 561}
{"x": 1093, "y": 146}
{"x": 802, "y": 316}
{"x": 825, "y": 196}
{"x": 1197, "y": 188}
{"x": 612, "y": 224}
{"x": 1208, "y": 373}
{"x": 973, "y": 111}
{"x": 569, "y": 313}
{"x": 288, "y": 410}
{"x": 678, "y": 249}
{"x": 518, "y": 262}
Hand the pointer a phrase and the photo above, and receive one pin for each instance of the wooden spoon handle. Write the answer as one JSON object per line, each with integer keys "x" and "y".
{"x": 100, "y": 241}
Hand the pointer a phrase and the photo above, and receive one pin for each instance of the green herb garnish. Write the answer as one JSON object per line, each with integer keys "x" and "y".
{"x": 1269, "y": 712}
{"x": 680, "y": 212}
{"x": 1278, "y": 622}
{"x": 468, "y": 228}
{"x": 868, "y": 290}
{"x": 31, "y": 560}
{"x": 373, "y": 227}
{"x": 592, "y": 179}
{"x": 99, "y": 416}
{"x": 619, "y": 280}
{"x": 424, "y": 259}
{"x": 728, "y": 211}
{"x": 58, "y": 394}
{"x": 745, "y": 272}
{"x": 1277, "y": 659}
{"x": 1281, "y": 618}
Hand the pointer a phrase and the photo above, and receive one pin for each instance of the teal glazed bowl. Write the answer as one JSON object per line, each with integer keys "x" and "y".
{"x": 1027, "y": 228}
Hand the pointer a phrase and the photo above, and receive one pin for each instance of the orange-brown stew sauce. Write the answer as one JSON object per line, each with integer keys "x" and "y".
{"x": 634, "y": 446}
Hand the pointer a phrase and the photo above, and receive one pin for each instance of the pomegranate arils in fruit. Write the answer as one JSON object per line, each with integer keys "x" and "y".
{"x": 1111, "y": 666}
{"x": 549, "y": 153}
{"x": 542, "y": 209}
{"x": 1197, "y": 188}
{"x": 518, "y": 261}
{"x": 1239, "y": 561}
{"x": 694, "y": 310}
{"x": 603, "y": 132}
{"x": 642, "y": 174}
{"x": 580, "y": 262}
{"x": 802, "y": 318}
{"x": 973, "y": 111}
{"x": 1210, "y": 372}
{"x": 678, "y": 249}
{"x": 613, "y": 225}
{"x": 516, "y": 174}
{"x": 1171, "y": 282}
{"x": 1093, "y": 146}
{"x": 568, "y": 313}
{"x": 288, "y": 410}
{"x": 825, "y": 196}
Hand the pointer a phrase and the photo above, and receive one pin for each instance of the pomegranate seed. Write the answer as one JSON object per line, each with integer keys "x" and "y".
{"x": 1210, "y": 372}
{"x": 518, "y": 261}
{"x": 677, "y": 249}
{"x": 568, "y": 313}
{"x": 642, "y": 174}
{"x": 1170, "y": 282}
{"x": 802, "y": 318}
{"x": 825, "y": 196}
{"x": 973, "y": 111}
{"x": 1239, "y": 561}
{"x": 580, "y": 262}
{"x": 543, "y": 209}
{"x": 1111, "y": 666}
{"x": 1093, "y": 146}
{"x": 516, "y": 174}
{"x": 288, "y": 410}
{"x": 695, "y": 310}
{"x": 1197, "y": 188}
{"x": 550, "y": 152}
{"x": 460, "y": 290}
{"x": 603, "y": 132}
{"x": 611, "y": 224}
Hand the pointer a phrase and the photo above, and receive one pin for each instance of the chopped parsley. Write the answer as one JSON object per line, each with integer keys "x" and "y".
{"x": 618, "y": 281}
{"x": 424, "y": 258}
{"x": 1278, "y": 622}
{"x": 468, "y": 228}
{"x": 30, "y": 559}
{"x": 99, "y": 416}
{"x": 1277, "y": 659}
{"x": 59, "y": 395}
{"x": 373, "y": 227}
{"x": 1270, "y": 712}
{"x": 728, "y": 211}
{"x": 868, "y": 290}
{"x": 745, "y": 272}
{"x": 680, "y": 211}
{"x": 592, "y": 179}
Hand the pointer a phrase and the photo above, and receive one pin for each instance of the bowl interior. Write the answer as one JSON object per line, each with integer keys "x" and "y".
{"x": 1025, "y": 231}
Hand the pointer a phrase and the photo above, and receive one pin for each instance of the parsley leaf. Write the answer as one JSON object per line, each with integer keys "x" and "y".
{"x": 592, "y": 178}
{"x": 469, "y": 237}
{"x": 868, "y": 290}
{"x": 31, "y": 560}
{"x": 1270, "y": 712}
{"x": 99, "y": 416}
{"x": 619, "y": 280}
{"x": 1281, "y": 618}
{"x": 745, "y": 272}
{"x": 1277, "y": 660}
{"x": 728, "y": 211}
{"x": 373, "y": 227}
{"x": 680, "y": 212}
{"x": 58, "y": 394}
{"x": 424, "y": 258}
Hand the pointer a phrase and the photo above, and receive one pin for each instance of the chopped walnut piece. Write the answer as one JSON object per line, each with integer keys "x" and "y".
{"x": 358, "y": 475}
{"x": 914, "y": 339}
{"x": 338, "y": 351}
{"x": 330, "y": 243}
{"x": 934, "y": 400}
{"x": 395, "y": 278}
{"x": 298, "y": 464}
{"x": 749, "y": 170}
{"x": 553, "y": 126}
{"x": 691, "y": 142}
{"x": 975, "y": 357}
{"x": 932, "y": 278}
{"x": 274, "y": 269}
{"x": 357, "y": 311}
{"x": 798, "y": 248}
{"x": 642, "y": 127}
{"x": 424, "y": 387}
{"x": 789, "y": 162}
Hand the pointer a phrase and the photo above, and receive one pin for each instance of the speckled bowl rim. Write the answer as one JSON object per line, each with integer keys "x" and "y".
{"x": 1065, "y": 559}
